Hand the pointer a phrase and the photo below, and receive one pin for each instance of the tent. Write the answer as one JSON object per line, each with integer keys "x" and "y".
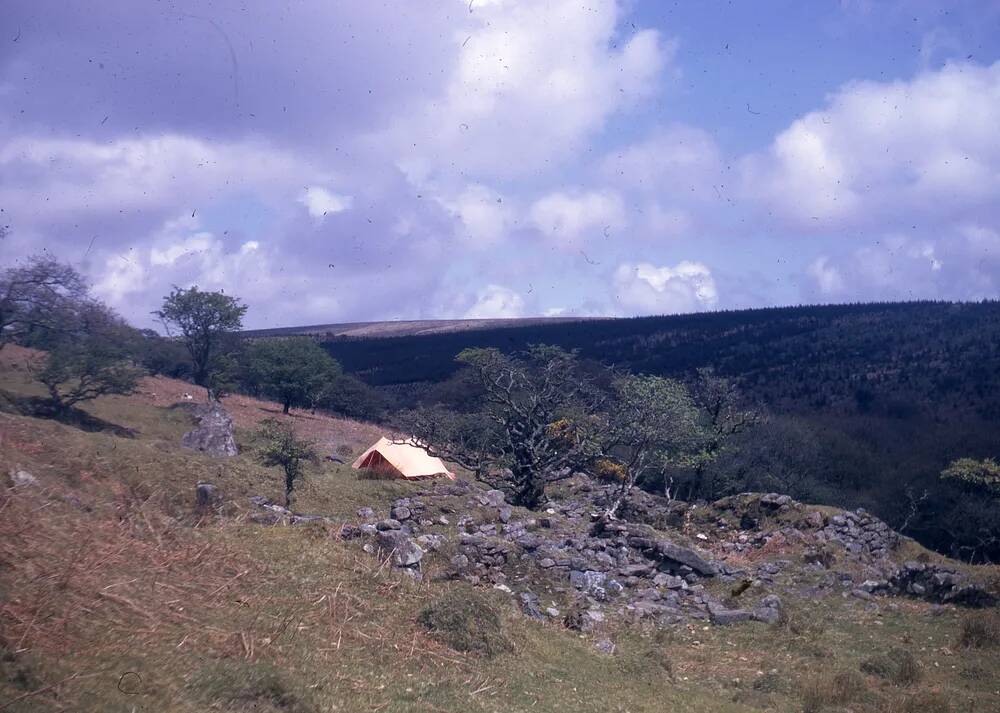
{"x": 401, "y": 459}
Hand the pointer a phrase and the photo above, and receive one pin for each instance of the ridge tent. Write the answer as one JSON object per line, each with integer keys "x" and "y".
{"x": 401, "y": 459}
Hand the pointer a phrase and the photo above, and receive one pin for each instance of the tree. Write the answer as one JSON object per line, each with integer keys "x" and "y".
{"x": 89, "y": 360}
{"x": 651, "y": 424}
{"x": 532, "y": 426}
{"x": 206, "y": 321}
{"x": 37, "y": 296}
{"x": 982, "y": 476}
{"x": 293, "y": 371}
{"x": 725, "y": 414}
{"x": 278, "y": 446}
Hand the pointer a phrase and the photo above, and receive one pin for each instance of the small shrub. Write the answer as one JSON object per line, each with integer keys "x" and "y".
{"x": 839, "y": 689}
{"x": 980, "y": 630}
{"x": 927, "y": 702}
{"x": 251, "y": 687}
{"x": 345, "y": 451}
{"x": 466, "y": 621}
{"x": 898, "y": 666}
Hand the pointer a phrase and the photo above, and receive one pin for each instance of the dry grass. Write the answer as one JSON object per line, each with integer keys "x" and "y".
{"x": 980, "y": 630}
{"x": 897, "y": 666}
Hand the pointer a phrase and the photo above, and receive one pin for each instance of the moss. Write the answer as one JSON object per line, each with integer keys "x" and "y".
{"x": 466, "y": 621}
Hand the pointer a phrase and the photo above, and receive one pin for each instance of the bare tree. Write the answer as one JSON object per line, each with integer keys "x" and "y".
{"x": 536, "y": 423}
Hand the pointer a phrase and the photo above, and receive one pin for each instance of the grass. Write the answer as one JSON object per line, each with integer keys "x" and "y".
{"x": 897, "y": 666}
{"x": 105, "y": 569}
{"x": 980, "y": 630}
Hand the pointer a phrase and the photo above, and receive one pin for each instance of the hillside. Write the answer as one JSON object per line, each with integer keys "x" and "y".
{"x": 405, "y": 328}
{"x": 868, "y": 402}
{"x": 116, "y": 595}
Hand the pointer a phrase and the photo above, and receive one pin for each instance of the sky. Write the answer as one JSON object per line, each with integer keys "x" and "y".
{"x": 334, "y": 160}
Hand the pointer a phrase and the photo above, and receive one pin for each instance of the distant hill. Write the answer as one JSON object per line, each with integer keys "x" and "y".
{"x": 406, "y": 328}
{"x": 889, "y": 357}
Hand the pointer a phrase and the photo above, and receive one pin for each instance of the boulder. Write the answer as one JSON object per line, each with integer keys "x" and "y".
{"x": 405, "y": 552}
{"x": 214, "y": 433}
{"x": 685, "y": 556}
{"x": 22, "y": 478}
{"x": 206, "y": 497}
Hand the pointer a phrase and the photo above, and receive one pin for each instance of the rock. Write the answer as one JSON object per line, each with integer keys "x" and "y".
{"x": 769, "y": 610}
{"x": 814, "y": 520}
{"x": 685, "y": 556}
{"x": 206, "y": 497}
{"x": 505, "y": 513}
{"x": 430, "y": 541}
{"x": 214, "y": 433}
{"x": 493, "y": 498}
{"x": 405, "y": 552}
{"x": 503, "y": 588}
{"x": 460, "y": 562}
{"x": 552, "y": 612}
{"x": 529, "y": 605}
{"x": 443, "y": 520}
{"x": 605, "y": 646}
{"x": 366, "y": 513}
{"x": 669, "y": 581}
{"x": 22, "y": 478}
{"x": 774, "y": 501}
{"x": 725, "y": 617}
{"x": 546, "y": 562}
{"x": 400, "y": 513}
{"x": 388, "y": 524}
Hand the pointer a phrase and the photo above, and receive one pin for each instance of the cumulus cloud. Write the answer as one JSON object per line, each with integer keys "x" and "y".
{"x": 516, "y": 101}
{"x": 643, "y": 288}
{"x": 826, "y": 276}
{"x": 923, "y": 149}
{"x": 320, "y": 202}
{"x": 566, "y": 217}
{"x": 485, "y": 218}
{"x": 495, "y": 301}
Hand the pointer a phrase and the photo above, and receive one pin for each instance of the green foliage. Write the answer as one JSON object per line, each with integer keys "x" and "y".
{"x": 980, "y": 475}
{"x": 38, "y": 299}
{"x": 90, "y": 359}
{"x": 465, "y": 620}
{"x": 294, "y": 371}
{"x": 279, "y": 446}
{"x": 204, "y": 319}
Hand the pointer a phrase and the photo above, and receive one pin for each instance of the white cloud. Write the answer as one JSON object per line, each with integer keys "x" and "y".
{"x": 827, "y": 277}
{"x": 495, "y": 301}
{"x": 484, "y": 215}
{"x": 532, "y": 81}
{"x": 567, "y": 218}
{"x": 643, "y": 288}
{"x": 320, "y": 202}
{"x": 923, "y": 149}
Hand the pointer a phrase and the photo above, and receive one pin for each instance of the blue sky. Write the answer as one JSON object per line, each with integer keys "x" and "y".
{"x": 335, "y": 161}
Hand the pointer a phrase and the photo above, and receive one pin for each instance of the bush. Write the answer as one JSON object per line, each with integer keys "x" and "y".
{"x": 838, "y": 689}
{"x": 466, "y": 621}
{"x": 898, "y": 666}
{"x": 927, "y": 702}
{"x": 980, "y": 630}
{"x": 245, "y": 686}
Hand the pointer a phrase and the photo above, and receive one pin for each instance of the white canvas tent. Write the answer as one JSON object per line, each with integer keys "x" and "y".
{"x": 399, "y": 459}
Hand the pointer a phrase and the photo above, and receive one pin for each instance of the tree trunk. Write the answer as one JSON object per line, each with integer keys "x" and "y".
{"x": 528, "y": 490}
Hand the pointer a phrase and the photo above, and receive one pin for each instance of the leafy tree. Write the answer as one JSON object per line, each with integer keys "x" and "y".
{"x": 531, "y": 428}
{"x": 206, "y": 322}
{"x": 979, "y": 475}
{"x": 278, "y": 446}
{"x": 38, "y": 297}
{"x": 90, "y": 360}
{"x": 294, "y": 371}
{"x": 724, "y": 414}
{"x": 651, "y": 423}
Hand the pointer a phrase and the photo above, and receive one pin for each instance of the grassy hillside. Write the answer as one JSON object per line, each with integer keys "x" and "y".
{"x": 114, "y": 595}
